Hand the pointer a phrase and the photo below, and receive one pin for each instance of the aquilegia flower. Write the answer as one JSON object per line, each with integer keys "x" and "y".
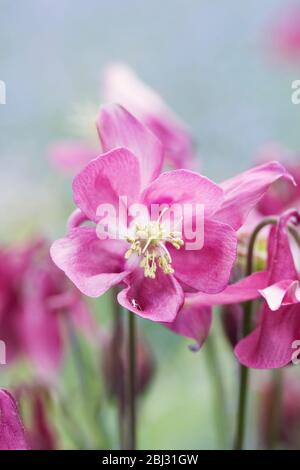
{"x": 284, "y": 34}
{"x": 34, "y": 298}
{"x": 282, "y": 195}
{"x": 36, "y": 400}
{"x": 289, "y": 414}
{"x": 12, "y": 435}
{"x": 270, "y": 344}
{"x": 152, "y": 261}
{"x": 120, "y": 85}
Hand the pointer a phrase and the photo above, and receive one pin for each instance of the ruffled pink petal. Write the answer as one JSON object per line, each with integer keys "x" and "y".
{"x": 12, "y": 435}
{"x": 76, "y": 218}
{"x": 184, "y": 187}
{"x": 156, "y": 299}
{"x": 121, "y": 85}
{"x": 285, "y": 292}
{"x": 243, "y": 192}
{"x": 93, "y": 265}
{"x": 176, "y": 140}
{"x": 41, "y": 333}
{"x": 247, "y": 288}
{"x": 207, "y": 269}
{"x": 118, "y": 128}
{"x": 106, "y": 179}
{"x": 269, "y": 346}
{"x": 192, "y": 321}
{"x": 280, "y": 258}
{"x": 72, "y": 157}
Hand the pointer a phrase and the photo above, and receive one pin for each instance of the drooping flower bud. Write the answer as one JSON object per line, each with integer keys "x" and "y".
{"x": 288, "y": 415}
{"x": 35, "y": 401}
{"x": 115, "y": 365}
{"x": 12, "y": 435}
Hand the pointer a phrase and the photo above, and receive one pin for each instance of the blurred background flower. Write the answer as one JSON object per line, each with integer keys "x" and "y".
{"x": 213, "y": 64}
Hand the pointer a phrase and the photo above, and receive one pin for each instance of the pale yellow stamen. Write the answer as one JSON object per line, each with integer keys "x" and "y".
{"x": 149, "y": 242}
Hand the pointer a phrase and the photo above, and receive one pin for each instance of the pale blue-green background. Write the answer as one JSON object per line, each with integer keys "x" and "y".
{"x": 209, "y": 61}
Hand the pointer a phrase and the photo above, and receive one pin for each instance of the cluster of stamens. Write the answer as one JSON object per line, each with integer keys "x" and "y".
{"x": 149, "y": 242}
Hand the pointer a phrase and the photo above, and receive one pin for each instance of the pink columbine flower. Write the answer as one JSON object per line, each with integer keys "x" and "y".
{"x": 37, "y": 405}
{"x": 284, "y": 34}
{"x": 12, "y": 435}
{"x": 121, "y": 85}
{"x": 34, "y": 298}
{"x": 289, "y": 415}
{"x": 282, "y": 195}
{"x": 270, "y": 345}
{"x": 153, "y": 263}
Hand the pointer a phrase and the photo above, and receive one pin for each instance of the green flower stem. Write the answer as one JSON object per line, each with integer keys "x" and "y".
{"x": 82, "y": 378}
{"x": 218, "y": 390}
{"x": 118, "y": 337}
{"x": 273, "y": 436}
{"x": 131, "y": 383}
{"x": 246, "y": 329}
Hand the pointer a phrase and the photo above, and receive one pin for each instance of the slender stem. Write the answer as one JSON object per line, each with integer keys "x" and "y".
{"x": 131, "y": 383}
{"x": 82, "y": 377}
{"x": 243, "y": 388}
{"x": 118, "y": 334}
{"x": 275, "y": 415}
{"x": 246, "y": 329}
{"x": 218, "y": 389}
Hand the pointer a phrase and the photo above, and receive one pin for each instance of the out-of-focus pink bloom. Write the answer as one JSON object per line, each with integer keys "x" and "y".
{"x": 121, "y": 85}
{"x": 115, "y": 365}
{"x": 155, "y": 274}
{"x": 71, "y": 156}
{"x": 38, "y": 429}
{"x": 231, "y": 318}
{"x": 34, "y": 297}
{"x": 289, "y": 413}
{"x": 284, "y": 34}
{"x": 194, "y": 319}
{"x": 270, "y": 345}
{"x": 12, "y": 435}
{"x": 282, "y": 195}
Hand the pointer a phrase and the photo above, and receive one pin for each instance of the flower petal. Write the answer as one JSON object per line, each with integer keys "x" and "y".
{"x": 285, "y": 292}
{"x": 106, "y": 179}
{"x": 93, "y": 265}
{"x": 41, "y": 334}
{"x": 192, "y": 321}
{"x": 241, "y": 291}
{"x": 156, "y": 299}
{"x": 269, "y": 346}
{"x": 118, "y": 128}
{"x": 280, "y": 257}
{"x": 184, "y": 187}
{"x": 12, "y": 435}
{"x": 242, "y": 192}
{"x": 71, "y": 157}
{"x": 207, "y": 269}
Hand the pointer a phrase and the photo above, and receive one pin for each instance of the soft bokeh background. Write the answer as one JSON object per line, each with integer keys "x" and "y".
{"x": 208, "y": 59}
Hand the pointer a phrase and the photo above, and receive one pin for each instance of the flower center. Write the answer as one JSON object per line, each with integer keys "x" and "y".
{"x": 149, "y": 242}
